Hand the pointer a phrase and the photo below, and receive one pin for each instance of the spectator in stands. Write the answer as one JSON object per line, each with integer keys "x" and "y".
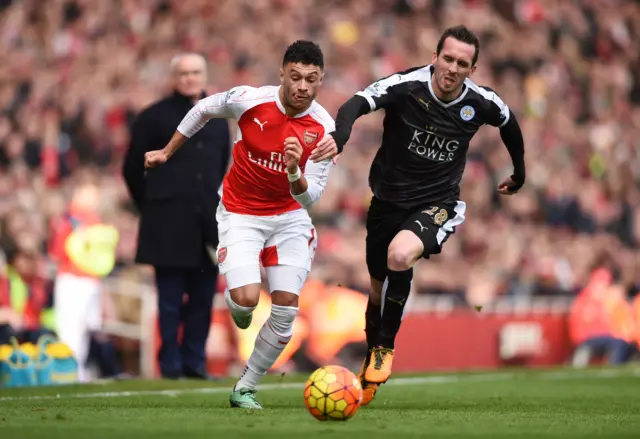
{"x": 601, "y": 322}
{"x": 178, "y": 230}
{"x": 83, "y": 248}
{"x": 25, "y": 311}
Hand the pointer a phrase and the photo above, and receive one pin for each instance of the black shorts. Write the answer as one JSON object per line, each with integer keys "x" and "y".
{"x": 433, "y": 224}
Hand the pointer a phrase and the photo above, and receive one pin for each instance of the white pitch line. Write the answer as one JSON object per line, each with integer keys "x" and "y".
{"x": 436, "y": 379}
{"x": 408, "y": 381}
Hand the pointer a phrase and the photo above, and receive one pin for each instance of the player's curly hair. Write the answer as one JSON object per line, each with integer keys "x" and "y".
{"x": 460, "y": 33}
{"x": 304, "y": 52}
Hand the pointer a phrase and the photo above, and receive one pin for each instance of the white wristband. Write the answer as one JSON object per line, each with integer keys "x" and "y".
{"x": 294, "y": 177}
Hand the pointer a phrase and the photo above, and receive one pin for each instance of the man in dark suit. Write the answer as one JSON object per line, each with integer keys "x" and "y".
{"x": 177, "y": 204}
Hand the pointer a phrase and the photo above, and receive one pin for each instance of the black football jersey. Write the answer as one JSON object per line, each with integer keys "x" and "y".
{"x": 425, "y": 140}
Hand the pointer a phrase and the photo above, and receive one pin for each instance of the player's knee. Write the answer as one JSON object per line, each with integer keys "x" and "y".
{"x": 283, "y": 298}
{"x": 399, "y": 259}
{"x": 247, "y": 295}
{"x": 405, "y": 249}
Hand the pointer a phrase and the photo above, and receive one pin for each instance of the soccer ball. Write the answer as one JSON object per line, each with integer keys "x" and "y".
{"x": 332, "y": 393}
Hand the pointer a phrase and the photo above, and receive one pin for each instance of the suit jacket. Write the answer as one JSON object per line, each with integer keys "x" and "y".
{"x": 178, "y": 200}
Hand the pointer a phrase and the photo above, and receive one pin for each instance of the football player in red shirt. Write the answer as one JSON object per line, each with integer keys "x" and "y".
{"x": 262, "y": 216}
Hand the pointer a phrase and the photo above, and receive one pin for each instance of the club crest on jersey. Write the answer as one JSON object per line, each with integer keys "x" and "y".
{"x": 467, "y": 112}
{"x": 222, "y": 255}
{"x": 309, "y": 137}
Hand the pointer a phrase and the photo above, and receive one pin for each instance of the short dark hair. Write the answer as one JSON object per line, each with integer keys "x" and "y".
{"x": 304, "y": 52}
{"x": 461, "y": 33}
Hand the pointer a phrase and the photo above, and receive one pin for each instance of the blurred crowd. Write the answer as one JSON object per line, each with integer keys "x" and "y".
{"x": 74, "y": 74}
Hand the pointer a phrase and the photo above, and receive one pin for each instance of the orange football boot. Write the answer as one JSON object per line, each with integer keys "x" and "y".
{"x": 368, "y": 389}
{"x": 378, "y": 370}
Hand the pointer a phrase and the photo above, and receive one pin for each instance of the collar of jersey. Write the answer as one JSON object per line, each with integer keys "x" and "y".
{"x": 445, "y": 104}
{"x": 282, "y": 109}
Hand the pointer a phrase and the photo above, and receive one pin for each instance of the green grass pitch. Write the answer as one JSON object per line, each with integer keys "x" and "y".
{"x": 562, "y": 403}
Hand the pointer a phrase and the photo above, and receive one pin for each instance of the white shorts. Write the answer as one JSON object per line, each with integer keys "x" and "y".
{"x": 246, "y": 241}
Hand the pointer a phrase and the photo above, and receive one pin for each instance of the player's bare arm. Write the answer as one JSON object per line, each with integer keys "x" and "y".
{"x": 214, "y": 106}
{"x": 511, "y": 135}
{"x": 159, "y": 157}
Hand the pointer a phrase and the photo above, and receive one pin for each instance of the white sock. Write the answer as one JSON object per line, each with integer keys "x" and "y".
{"x": 270, "y": 342}
{"x": 234, "y": 308}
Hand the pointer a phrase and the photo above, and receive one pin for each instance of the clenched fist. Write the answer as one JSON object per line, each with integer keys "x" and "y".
{"x": 155, "y": 158}
{"x": 292, "y": 153}
{"x": 510, "y": 185}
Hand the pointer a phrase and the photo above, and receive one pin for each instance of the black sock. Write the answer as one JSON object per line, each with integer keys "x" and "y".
{"x": 395, "y": 298}
{"x": 373, "y": 323}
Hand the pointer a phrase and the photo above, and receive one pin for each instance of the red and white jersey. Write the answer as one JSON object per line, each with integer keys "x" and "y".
{"x": 257, "y": 182}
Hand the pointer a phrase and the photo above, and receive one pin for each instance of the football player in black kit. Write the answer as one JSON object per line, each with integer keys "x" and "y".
{"x": 431, "y": 114}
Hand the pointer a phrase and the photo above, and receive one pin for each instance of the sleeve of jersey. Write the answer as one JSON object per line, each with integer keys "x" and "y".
{"x": 317, "y": 175}
{"x": 381, "y": 93}
{"x": 511, "y": 135}
{"x": 217, "y": 106}
{"x": 498, "y": 113}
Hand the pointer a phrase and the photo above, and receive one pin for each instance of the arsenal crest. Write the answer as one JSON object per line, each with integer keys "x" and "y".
{"x": 222, "y": 255}
{"x": 309, "y": 137}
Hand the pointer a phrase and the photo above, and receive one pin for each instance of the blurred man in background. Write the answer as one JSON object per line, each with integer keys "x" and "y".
{"x": 601, "y": 322}
{"x": 177, "y": 204}
{"x": 83, "y": 249}
{"x": 25, "y": 311}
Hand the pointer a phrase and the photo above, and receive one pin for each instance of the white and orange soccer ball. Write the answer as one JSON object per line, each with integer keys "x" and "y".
{"x": 332, "y": 393}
